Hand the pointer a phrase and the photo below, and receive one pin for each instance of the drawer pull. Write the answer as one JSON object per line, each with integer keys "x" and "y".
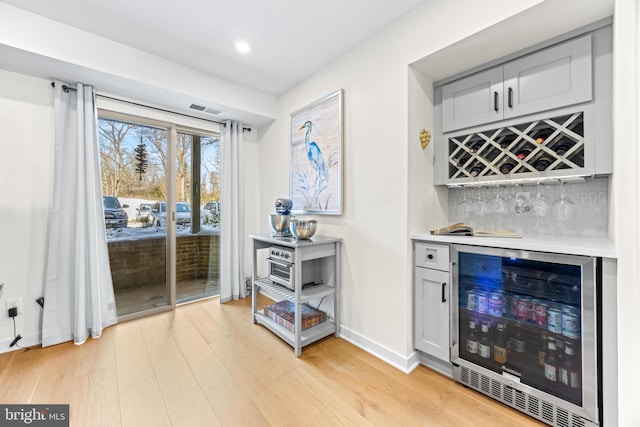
{"x": 444, "y": 299}
{"x": 430, "y": 256}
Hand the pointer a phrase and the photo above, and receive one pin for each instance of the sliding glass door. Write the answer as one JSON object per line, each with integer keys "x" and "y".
{"x": 197, "y": 242}
{"x": 156, "y": 179}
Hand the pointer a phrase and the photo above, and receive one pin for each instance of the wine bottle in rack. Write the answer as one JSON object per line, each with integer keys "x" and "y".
{"x": 506, "y": 167}
{"x": 475, "y": 147}
{"x": 561, "y": 149}
{"x": 542, "y": 136}
{"x": 462, "y": 161}
{"x": 476, "y": 169}
{"x": 542, "y": 164}
{"x": 522, "y": 154}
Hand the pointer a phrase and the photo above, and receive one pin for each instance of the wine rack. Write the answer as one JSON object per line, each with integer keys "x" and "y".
{"x": 549, "y": 147}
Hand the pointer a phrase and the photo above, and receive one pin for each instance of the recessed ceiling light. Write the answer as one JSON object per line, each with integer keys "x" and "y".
{"x": 243, "y": 47}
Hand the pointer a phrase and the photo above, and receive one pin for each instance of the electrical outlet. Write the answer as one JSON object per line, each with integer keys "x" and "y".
{"x": 15, "y": 303}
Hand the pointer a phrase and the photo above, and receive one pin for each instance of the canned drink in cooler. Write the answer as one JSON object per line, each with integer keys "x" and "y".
{"x": 471, "y": 300}
{"x": 523, "y": 309}
{"x": 554, "y": 320}
{"x": 495, "y": 304}
{"x": 570, "y": 322}
{"x": 539, "y": 313}
{"x": 482, "y": 302}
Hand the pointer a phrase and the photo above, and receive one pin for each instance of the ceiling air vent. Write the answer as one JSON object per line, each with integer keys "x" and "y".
{"x": 203, "y": 109}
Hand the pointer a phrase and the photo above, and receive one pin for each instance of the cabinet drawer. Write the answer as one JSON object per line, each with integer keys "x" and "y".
{"x": 431, "y": 255}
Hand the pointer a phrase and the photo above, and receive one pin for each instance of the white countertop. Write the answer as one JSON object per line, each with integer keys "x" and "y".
{"x": 587, "y": 246}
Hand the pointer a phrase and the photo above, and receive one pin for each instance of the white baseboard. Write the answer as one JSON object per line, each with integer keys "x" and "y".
{"x": 28, "y": 341}
{"x": 404, "y": 363}
{"x": 445, "y": 368}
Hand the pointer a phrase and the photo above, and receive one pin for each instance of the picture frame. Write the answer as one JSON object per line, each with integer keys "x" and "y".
{"x": 315, "y": 163}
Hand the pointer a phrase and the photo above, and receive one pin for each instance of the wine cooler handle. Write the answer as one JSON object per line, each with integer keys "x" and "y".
{"x": 444, "y": 286}
{"x": 495, "y": 101}
{"x": 510, "y": 101}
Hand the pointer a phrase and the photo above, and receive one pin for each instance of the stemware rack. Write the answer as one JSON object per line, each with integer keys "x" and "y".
{"x": 547, "y": 148}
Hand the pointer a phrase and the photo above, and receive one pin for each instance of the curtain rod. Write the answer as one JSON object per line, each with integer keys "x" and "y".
{"x": 67, "y": 88}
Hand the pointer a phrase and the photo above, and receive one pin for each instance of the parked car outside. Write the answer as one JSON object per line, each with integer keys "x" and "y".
{"x": 210, "y": 213}
{"x": 114, "y": 213}
{"x": 158, "y": 214}
{"x": 143, "y": 211}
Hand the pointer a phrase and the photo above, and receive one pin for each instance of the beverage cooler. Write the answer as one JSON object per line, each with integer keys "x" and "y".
{"x": 525, "y": 331}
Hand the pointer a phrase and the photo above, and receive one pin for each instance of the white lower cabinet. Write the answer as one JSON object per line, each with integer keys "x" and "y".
{"x": 432, "y": 295}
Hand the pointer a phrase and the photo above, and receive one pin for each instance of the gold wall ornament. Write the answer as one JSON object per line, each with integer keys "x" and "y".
{"x": 425, "y": 138}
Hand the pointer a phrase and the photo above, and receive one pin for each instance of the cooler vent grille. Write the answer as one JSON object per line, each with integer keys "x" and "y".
{"x": 496, "y": 389}
{"x": 531, "y": 405}
{"x": 521, "y": 400}
{"x": 547, "y": 412}
{"x": 534, "y": 406}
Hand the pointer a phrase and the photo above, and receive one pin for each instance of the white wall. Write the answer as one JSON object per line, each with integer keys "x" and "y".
{"x": 26, "y": 171}
{"x": 378, "y": 154}
{"x": 626, "y": 186}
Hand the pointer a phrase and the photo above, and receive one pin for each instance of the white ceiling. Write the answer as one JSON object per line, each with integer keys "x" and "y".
{"x": 290, "y": 39}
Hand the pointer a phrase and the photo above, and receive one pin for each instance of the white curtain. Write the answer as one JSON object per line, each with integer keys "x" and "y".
{"x": 232, "y": 285}
{"x": 78, "y": 295}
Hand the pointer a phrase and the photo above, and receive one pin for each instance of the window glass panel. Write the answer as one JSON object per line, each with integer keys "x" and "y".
{"x": 134, "y": 184}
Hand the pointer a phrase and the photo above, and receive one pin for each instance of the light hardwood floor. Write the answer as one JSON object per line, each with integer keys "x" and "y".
{"x": 206, "y": 364}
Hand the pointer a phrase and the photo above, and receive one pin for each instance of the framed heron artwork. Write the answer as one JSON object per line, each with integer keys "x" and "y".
{"x": 315, "y": 132}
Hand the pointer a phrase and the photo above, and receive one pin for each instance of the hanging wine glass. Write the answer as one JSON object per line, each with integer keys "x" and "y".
{"x": 520, "y": 204}
{"x": 480, "y": 204}
{"x": 464, "y": 206}
{"x": 540, "y": 203}
{"x": 562, "y": 208}
{"x": 500, "y": 205}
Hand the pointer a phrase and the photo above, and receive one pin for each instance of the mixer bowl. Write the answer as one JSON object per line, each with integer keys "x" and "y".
{"x": 280, "y": 223}
{"x": 303, "y": 229}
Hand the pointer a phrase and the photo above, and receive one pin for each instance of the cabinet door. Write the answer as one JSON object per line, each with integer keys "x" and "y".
{"x": 432, "y": 295}
{"x": 474, "y": 100}
{"x": 552, "y": 78}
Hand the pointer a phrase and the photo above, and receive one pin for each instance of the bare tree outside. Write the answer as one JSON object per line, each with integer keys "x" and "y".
{"x": 118, "y": 141}
{"x": 210, "y": 185}
{"x": 114, "y": 155}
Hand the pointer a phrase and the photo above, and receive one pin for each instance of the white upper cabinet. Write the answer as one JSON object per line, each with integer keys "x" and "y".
{"x": 473, "y": 100}
{"x": 555, "y": 77}
{"x": 538, "y": 114}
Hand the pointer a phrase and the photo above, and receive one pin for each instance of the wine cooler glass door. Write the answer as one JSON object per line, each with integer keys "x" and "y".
{"x": 529, "y": 319}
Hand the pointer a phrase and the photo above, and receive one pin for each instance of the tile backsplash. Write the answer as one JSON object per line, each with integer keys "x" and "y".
{"x": 553, "y": 209}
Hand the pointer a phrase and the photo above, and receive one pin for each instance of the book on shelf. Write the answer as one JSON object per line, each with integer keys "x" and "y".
{"x": 283, "y": 314}
{"x": 461, "y": 229}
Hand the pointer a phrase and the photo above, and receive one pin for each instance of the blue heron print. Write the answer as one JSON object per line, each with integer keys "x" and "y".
{"x": 314, "y": 154}
{"x": 313, "y": 187}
